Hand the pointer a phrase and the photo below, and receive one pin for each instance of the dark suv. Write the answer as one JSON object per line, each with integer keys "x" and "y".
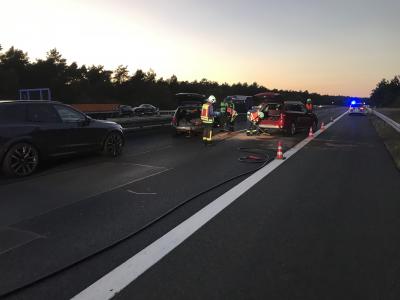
{"x": 287, "y": 116}
{"x": 34, "y": 130}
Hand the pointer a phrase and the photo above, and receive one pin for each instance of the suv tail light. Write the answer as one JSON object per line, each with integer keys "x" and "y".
{"x": 174, "y": 120}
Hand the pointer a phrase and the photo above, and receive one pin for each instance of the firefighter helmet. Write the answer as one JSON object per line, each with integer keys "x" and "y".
{"x": 212, "y": 99}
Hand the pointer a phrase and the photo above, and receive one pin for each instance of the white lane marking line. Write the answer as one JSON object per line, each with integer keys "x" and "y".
{"x": 147, "y": 166}
{"x": 136, "y": 193}
{"x": 116, "y": 280}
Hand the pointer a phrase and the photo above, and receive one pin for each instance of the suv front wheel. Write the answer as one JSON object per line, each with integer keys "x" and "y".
{"x": 113, "y": 144}
{"x": 21, "y": 160}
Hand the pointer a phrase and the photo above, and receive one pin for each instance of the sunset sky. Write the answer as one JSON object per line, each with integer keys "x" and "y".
{"x": 334, "y": 47}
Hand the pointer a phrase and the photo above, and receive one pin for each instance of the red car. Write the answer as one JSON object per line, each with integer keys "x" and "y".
{"x": 281, "y": 115}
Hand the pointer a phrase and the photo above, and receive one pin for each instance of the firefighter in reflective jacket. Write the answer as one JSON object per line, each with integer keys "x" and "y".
{"x": 309, "y": 105}
{"x": 254, "y": 117}
{"x": 207, "y": 117}
{"x": 232, "y": 114}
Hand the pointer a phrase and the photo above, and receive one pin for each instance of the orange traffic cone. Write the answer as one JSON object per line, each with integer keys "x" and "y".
{"x": 310, "y": 133}
{"x": 322, "y": 126}
{"x": 279, "y": 153}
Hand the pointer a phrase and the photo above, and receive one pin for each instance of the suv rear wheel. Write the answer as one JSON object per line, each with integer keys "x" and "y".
{"x": 21, "y": 160}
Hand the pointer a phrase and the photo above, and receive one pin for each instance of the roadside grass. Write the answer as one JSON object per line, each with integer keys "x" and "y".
{"x": 389, "y": 136}
{"x": 393, "y": 113}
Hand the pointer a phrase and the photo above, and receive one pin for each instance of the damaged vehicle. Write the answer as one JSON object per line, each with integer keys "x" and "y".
{"x": 287, "y": 116}
{"x": 186, "y": 119}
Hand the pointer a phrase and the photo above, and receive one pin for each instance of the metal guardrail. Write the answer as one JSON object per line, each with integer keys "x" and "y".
{"x": 139, "y": 123}
{"x": 166, "y": 112}
{"x": 389, "y": 121}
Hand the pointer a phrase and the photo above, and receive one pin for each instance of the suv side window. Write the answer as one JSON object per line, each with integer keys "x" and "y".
{"x": 297, "y": 107}
{"x": 12, "y": 113}
{"x": 290, "y": 107}
{"x": 69, "y": 115}
{"x": 42, "y": 113}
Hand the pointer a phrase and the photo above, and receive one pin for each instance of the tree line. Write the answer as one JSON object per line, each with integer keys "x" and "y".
{"x": 387, "y": 93}
{"x": 71, "y": 83}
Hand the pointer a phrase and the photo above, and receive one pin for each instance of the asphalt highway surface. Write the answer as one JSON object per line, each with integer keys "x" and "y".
{"x": 321, "y": 226}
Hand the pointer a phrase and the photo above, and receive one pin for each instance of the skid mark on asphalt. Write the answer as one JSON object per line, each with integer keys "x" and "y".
{"x": 16, "y": 205}
{"x": 133, "y": 181}
{"x": 147, "y": 151}
{"x": 12, "y": 238}
{"x": 335, "y": 144}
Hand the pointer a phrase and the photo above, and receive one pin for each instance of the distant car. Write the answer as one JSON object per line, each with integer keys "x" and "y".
{"x": 146, "y": 110}
{"x": 287, "y": 116}
{"x": 126, "y": 111}
{"x": 32, "y": 131}
{"x": 357, "y": 109}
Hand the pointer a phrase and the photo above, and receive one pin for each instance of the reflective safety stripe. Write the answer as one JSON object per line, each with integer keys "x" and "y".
{"x": 223, "y": 106}
{"x": 205, "y": 114}
{"x": 253, "y": 116}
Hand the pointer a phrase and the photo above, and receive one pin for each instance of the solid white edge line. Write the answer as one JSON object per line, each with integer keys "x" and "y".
{"x": 116, "y": 280}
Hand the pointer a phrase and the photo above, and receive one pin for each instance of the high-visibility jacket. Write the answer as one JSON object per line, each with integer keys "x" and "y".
{"x": 309, "y": 106}
{"x": 207, "y": 114}
{"x": 232, "y": 112}
{"x": 223, "y": 106}
{"x": 255, "y": 116}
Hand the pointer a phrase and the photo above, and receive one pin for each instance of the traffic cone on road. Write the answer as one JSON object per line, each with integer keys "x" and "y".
{"x": 279, "y": 153}
{"x": 322, "y": 126}
{"x": 310, "y": 133}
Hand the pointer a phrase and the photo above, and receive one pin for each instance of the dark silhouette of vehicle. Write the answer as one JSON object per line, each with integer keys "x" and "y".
{"x": 186, "y": 118}
{"x": 126, "y": 111}
{"x": 357, "y": 109}
{"x": 104, "y": 110}
{"x": 32, "y": 131}
{"x": 287, "y": 116}
{"x": 146, "y": 110}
